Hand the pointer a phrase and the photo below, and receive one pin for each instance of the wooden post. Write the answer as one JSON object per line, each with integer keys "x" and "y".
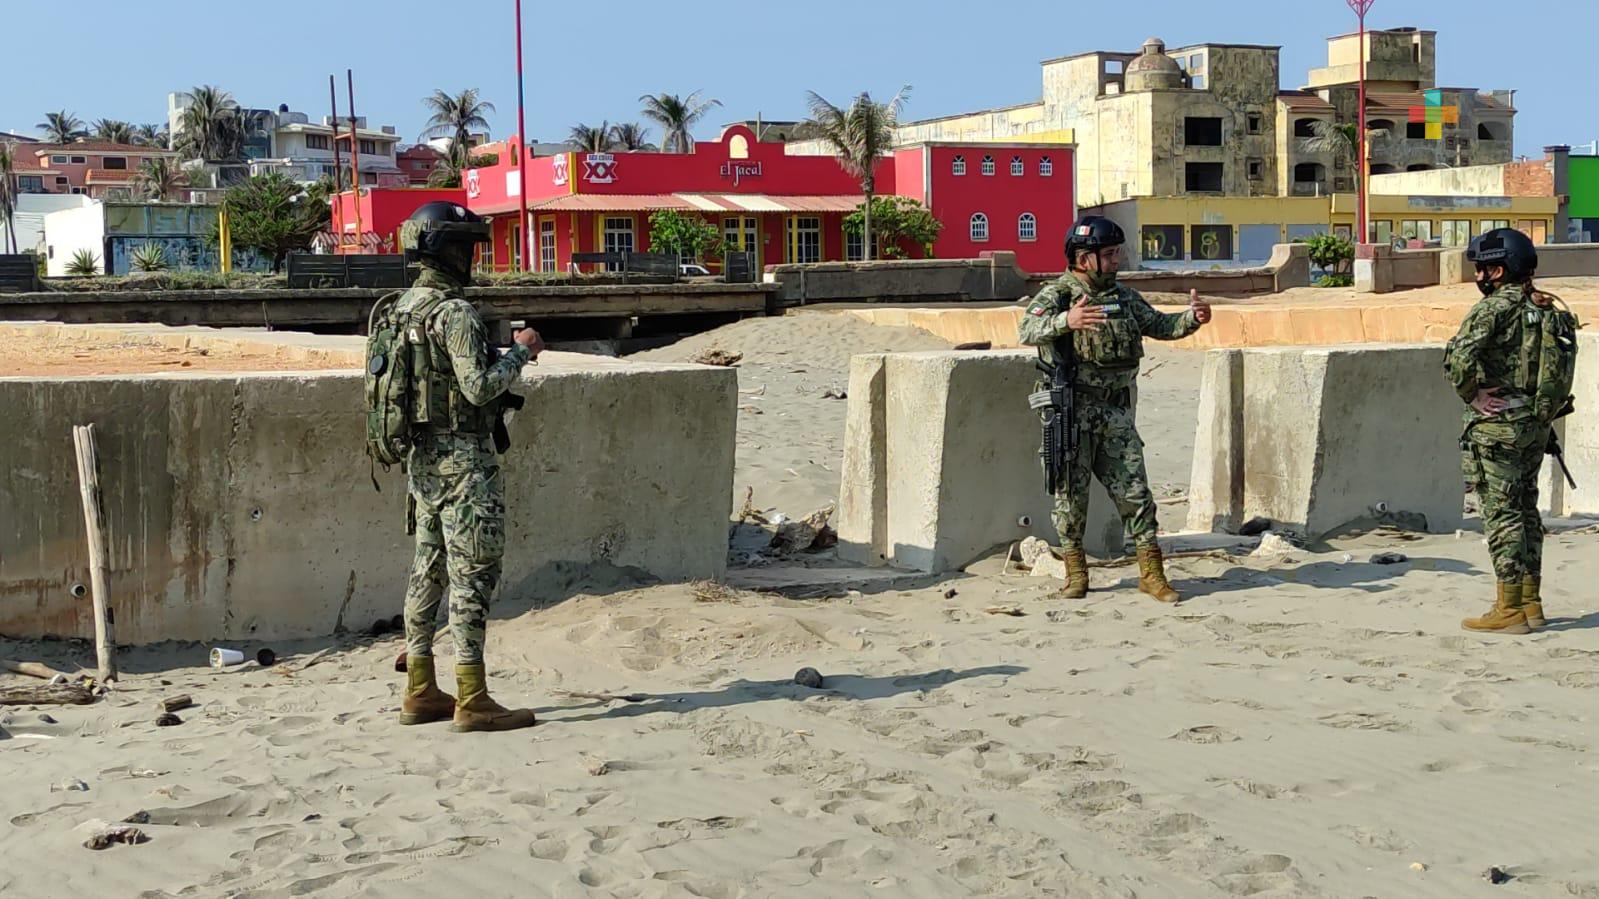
{"x": 105, "y": 641}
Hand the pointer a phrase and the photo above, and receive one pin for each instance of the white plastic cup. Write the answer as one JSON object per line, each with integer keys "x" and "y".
{"x": 222, "y": 658}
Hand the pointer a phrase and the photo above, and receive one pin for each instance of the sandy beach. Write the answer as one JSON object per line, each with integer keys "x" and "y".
{"x": 1313, "y": 724}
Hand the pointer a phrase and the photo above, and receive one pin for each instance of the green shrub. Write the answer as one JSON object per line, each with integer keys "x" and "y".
{"x": 1335, "y": 281}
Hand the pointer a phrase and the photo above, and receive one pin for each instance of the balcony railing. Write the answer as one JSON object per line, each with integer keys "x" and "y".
{"x": 1308, "y": 189}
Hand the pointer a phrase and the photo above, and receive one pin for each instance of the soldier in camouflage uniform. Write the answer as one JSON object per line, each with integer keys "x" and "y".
{"x": 456, "y": 488}
{"x": 1504, "y": 437}
{"x": 1106, "y": 322}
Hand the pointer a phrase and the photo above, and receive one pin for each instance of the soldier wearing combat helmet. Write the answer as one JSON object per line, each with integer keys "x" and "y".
{"x": 1104, "y": 324}
{"x": 456, "y": 489}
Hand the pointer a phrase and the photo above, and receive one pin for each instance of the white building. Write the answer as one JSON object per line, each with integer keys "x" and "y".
{"x": 292, "y": 144}
{"x": 31, "y": 210}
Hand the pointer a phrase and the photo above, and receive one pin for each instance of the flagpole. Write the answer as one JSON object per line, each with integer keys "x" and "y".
{"x": 521, "y": 148}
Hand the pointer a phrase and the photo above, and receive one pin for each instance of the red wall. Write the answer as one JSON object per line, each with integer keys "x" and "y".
{"x": 1003, "y": 197}
{"x": 382, "y": 210}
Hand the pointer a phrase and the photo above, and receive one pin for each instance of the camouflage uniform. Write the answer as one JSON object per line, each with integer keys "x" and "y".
{"x": 1108, "y": 445}
{"x": 1504, "y": 452}
{"x": 455, "y": 482}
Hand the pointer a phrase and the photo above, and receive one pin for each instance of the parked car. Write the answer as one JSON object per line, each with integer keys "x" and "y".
{"x": 691, "y": 269}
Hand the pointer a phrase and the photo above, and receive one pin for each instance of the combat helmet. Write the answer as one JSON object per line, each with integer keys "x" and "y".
{"x": 444, "y": 233}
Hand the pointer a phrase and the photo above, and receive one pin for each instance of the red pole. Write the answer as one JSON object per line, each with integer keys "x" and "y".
{"x": 1360, "y": 136}
{"x": 521, "y": 148}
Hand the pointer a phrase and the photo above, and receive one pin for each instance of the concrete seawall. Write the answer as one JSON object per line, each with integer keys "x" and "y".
{"x": 239, "y": 505}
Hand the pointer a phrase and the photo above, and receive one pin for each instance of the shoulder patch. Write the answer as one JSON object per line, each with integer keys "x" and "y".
{"x": 1038, "y": 309}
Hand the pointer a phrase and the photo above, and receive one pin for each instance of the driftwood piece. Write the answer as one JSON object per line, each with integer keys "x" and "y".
{"x": 46, "y": 694}
{"x": 32, "y": 669}
{"x": 105, "y": 641}
{"x": 177, "y": 703}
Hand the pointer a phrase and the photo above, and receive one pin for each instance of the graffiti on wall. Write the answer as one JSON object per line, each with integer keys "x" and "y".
{"x": 1162, "y": 242}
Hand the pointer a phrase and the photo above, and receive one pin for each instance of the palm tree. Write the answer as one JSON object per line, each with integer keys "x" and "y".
{"x": 150, "y": 135}
{"x": 158, "y": 179}
{"x": 631, "y": 136}
{"x": 444, "y": 174}
{"x": 591, "y": 139}
{"x": 676, "y": 115}
{"x": 8, "y": 193}
{"x": 859, "y": 136}
{"x": 207, "y": 126}
{"x": 113, "y": 131}
{"x": 456, "y": 117}
{"x": 61, "y": 127}
{"x": 1338, "y": 140}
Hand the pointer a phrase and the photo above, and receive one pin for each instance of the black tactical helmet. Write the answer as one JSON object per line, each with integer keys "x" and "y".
{"x": 1507, "y": 247}
{"x": 441, "y": 230}
{"x": 1092, "y": 232}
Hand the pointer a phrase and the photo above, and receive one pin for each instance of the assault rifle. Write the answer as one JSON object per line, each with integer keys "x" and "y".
{"x": 1057, "y": 408}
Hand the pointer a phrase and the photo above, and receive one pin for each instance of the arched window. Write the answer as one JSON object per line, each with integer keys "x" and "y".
{"x": 738, "y": 147}
{"x": 1045, "y": 167}
{"x": 1027, "y": 227}
{"x": 958, "y": 167}
{"x": 1016, "y": 167}
{"x": 979, "y": 226}
{"x": 988, "y": 165}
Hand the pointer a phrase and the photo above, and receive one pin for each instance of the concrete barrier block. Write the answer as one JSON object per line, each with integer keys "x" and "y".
{"x": 863, "y": 503}
{"x": 960, "y": 463}
{"x": 1579, "y": 437}
{"x": 1453, "y": 267}
{"x": 1216, "y": 486}
{"x": 1331, "y": 433}
{"x": 239, "y": 506}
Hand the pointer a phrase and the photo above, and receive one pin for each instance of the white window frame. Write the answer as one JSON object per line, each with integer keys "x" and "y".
{"x": 958, "y": 165}
{"x": 854, "y": 246}
{"x": 988, "y": 165}
{"x": 1027, "y": 227}
{"x": 978, "y": 227}
{"x": 80, "y": 160}
{"x": 547, "y": 248}
{"x": 611, "y": 236}
{"x": 60, "y": 159}
{"x": 1017, "y": 167}
{"x": 1046, "y": 168}
{"x": 800, "y": 226}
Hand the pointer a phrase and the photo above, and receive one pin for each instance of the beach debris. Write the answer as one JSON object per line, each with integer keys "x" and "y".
{"x": 610, "y": 697}
{"x": 1417, "y": 866}
{"x": 33, "y": 669}
{"x": 1013, "y": 611}
{"x": 711, "y": 591}
{"x": 1272, "y": 545}
{"x": 146, "y": 772}
{"x": 717, "y": 356}
{"x": 835, "y": 393}
{"x": 808, "y": 535}
{"x": 222, "y": 657}
{"x": 596, "y": 767}
{"x": 265, "y": 657}
{"x": 1254, "y": 527}
{"x": 46, "y": 694}
{"x": 751, "y": 409}
{"x": 107, "y": 837}
{"x": 808, "y": 677}
{"x": 70, "y": 785}
{"x": 379, "y": 627}
{"x": 975, "y": 345}
{"x": 138, "y": 817}
{"x": 1388, "y": 558}
{"x": 46, "y": 719}
{"x": 1496, "y": 875}
{"x": 168, "y": 720}
{"x": 1346, "y": 558}
{"x": 177, "y": 703}
{"x": 951, "y": 593}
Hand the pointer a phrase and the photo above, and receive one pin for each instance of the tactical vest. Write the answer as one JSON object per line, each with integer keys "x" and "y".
{"x": 437, "y": 404}
{"x": 1117, "y": 344}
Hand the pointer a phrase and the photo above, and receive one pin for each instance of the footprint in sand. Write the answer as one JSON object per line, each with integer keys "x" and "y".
{"x": 1374, "y": 838}
{"x": 1583, "y": 680}
{"x": 550, "y": 847}
{"x": 1262, "y": 874}
{"x": 1103, "y": 796}
{"x": 1476, "y": 702}
{"x": 1256, "y": 788}
{"x": 1205, "y": 734}
{"x": 698, "y": 885}
{"x": 1364, "y": 721}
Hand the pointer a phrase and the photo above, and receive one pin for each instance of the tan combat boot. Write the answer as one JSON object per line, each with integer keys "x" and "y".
{"x": 1506, "y": 616}
{"x": 1152, "y": 574}
{"x": 424, "y": 701}
{"x": 1532, "y": 600}
{"x": 475, "y": 711}
{"x": 1076, "y": 575}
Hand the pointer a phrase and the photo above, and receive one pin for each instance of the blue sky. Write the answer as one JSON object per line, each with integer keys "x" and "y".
{"x": 755, "y": 57}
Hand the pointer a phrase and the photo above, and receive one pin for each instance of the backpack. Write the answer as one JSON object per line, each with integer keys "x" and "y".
{"x": 1549, "y": 352}
{"x": 398, "y": 354}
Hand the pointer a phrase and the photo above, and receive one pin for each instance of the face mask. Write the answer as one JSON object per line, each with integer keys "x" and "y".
{"x": 1101, "y": 281}
{"x": 1486, "y": 285}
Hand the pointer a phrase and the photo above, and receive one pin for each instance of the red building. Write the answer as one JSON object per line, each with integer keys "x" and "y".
{"x": 784, "y": 208}
{"x": 418, "y": 163}
{"x": 96, "y": 168}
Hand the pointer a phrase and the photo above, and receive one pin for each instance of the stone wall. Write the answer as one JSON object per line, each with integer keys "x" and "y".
{"x": 239, "y": 505}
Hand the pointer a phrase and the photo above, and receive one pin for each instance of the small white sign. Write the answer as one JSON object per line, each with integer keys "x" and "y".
{"x": 513, "y": 183}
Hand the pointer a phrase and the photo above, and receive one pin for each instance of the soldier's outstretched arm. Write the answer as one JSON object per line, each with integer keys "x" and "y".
{"x": 1159, "y": 325}
{"x": 467, "y": 340}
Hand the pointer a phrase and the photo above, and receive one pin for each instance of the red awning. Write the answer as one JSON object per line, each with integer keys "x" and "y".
{"x": 714, "y": 203}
